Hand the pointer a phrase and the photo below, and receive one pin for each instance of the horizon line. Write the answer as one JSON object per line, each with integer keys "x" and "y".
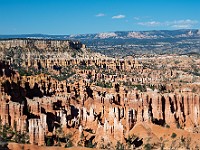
{"x": 96, "y": 32}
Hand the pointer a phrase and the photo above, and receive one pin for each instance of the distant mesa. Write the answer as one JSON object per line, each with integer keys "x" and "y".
{"x": 40, "y": 44}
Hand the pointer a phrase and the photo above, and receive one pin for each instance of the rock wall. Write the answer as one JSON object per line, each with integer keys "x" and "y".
{"x": 40, "y": 44}
{"x": 47, "y": 108}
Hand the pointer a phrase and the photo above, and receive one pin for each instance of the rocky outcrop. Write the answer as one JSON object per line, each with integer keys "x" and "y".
{"x": 101, "y": 103}
{"x": 40, "y": 44}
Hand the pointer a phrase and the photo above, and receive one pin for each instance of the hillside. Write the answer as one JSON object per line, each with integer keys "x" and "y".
{"x": 58, "y": 93}
{"x": 33, "y": 52}
{"x": 122, "y": 43}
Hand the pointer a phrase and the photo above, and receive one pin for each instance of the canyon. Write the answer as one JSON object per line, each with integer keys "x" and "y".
{"x": 60, "y": 93}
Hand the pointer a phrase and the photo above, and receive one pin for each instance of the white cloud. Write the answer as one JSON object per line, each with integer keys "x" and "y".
{"x": 150, "y": 23}
{"x": 183, "y": 23}
{"x": 174, "y": 24}
{"x": 136, "y": 18}
{"x": 118, "y": 17}
{"x": 181, "y": 26}
{"x": 141, "y": 17}
{"x": 100, "y": 15}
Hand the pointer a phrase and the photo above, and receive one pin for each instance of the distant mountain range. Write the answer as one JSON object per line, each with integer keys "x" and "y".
{"x": 132, "y": 42}
{"x": 154, "y": 34}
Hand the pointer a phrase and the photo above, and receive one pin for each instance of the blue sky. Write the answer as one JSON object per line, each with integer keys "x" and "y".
{"x": 94, "y": 16}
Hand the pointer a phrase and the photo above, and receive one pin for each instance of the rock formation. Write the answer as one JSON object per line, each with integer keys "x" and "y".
{"x": 101, "y": 103}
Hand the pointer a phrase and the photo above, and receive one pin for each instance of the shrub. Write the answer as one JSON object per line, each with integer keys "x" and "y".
{"x": 69, "y": 144}
{"x": 89, "y": 144}
{"x": 182, "y": 139}
{"x": 178, "y": 125}
{"x": 119, "y": 146}
{"x": 173, "y": 135}
{"x": 48, "y": 142}
{"x": 147, "y": 146}
{"x": 104, "y": 84}
{"x": 167, "y": 126}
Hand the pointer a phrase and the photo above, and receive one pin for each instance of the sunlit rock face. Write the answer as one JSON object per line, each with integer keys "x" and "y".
{"x": 40, "y": 44}
{"x": 100, "y": 101}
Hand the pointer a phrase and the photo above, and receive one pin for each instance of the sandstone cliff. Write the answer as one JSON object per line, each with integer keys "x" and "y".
{"x": 40, "y": 44}
{"x": 103, "y": 103}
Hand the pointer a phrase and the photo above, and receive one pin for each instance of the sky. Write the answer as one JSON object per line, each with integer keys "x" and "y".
{"x": 63, "y": 17}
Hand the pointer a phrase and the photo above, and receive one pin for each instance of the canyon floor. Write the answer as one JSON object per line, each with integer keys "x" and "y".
{"x": 150, "y": 132}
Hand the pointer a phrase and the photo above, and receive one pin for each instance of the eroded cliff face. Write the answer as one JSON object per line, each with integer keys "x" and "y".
{"x": 40, "y": 105}
{"x": 29, "y": 52}
{"x": 100, "y": 105}
{"x": 40, "y": 44}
